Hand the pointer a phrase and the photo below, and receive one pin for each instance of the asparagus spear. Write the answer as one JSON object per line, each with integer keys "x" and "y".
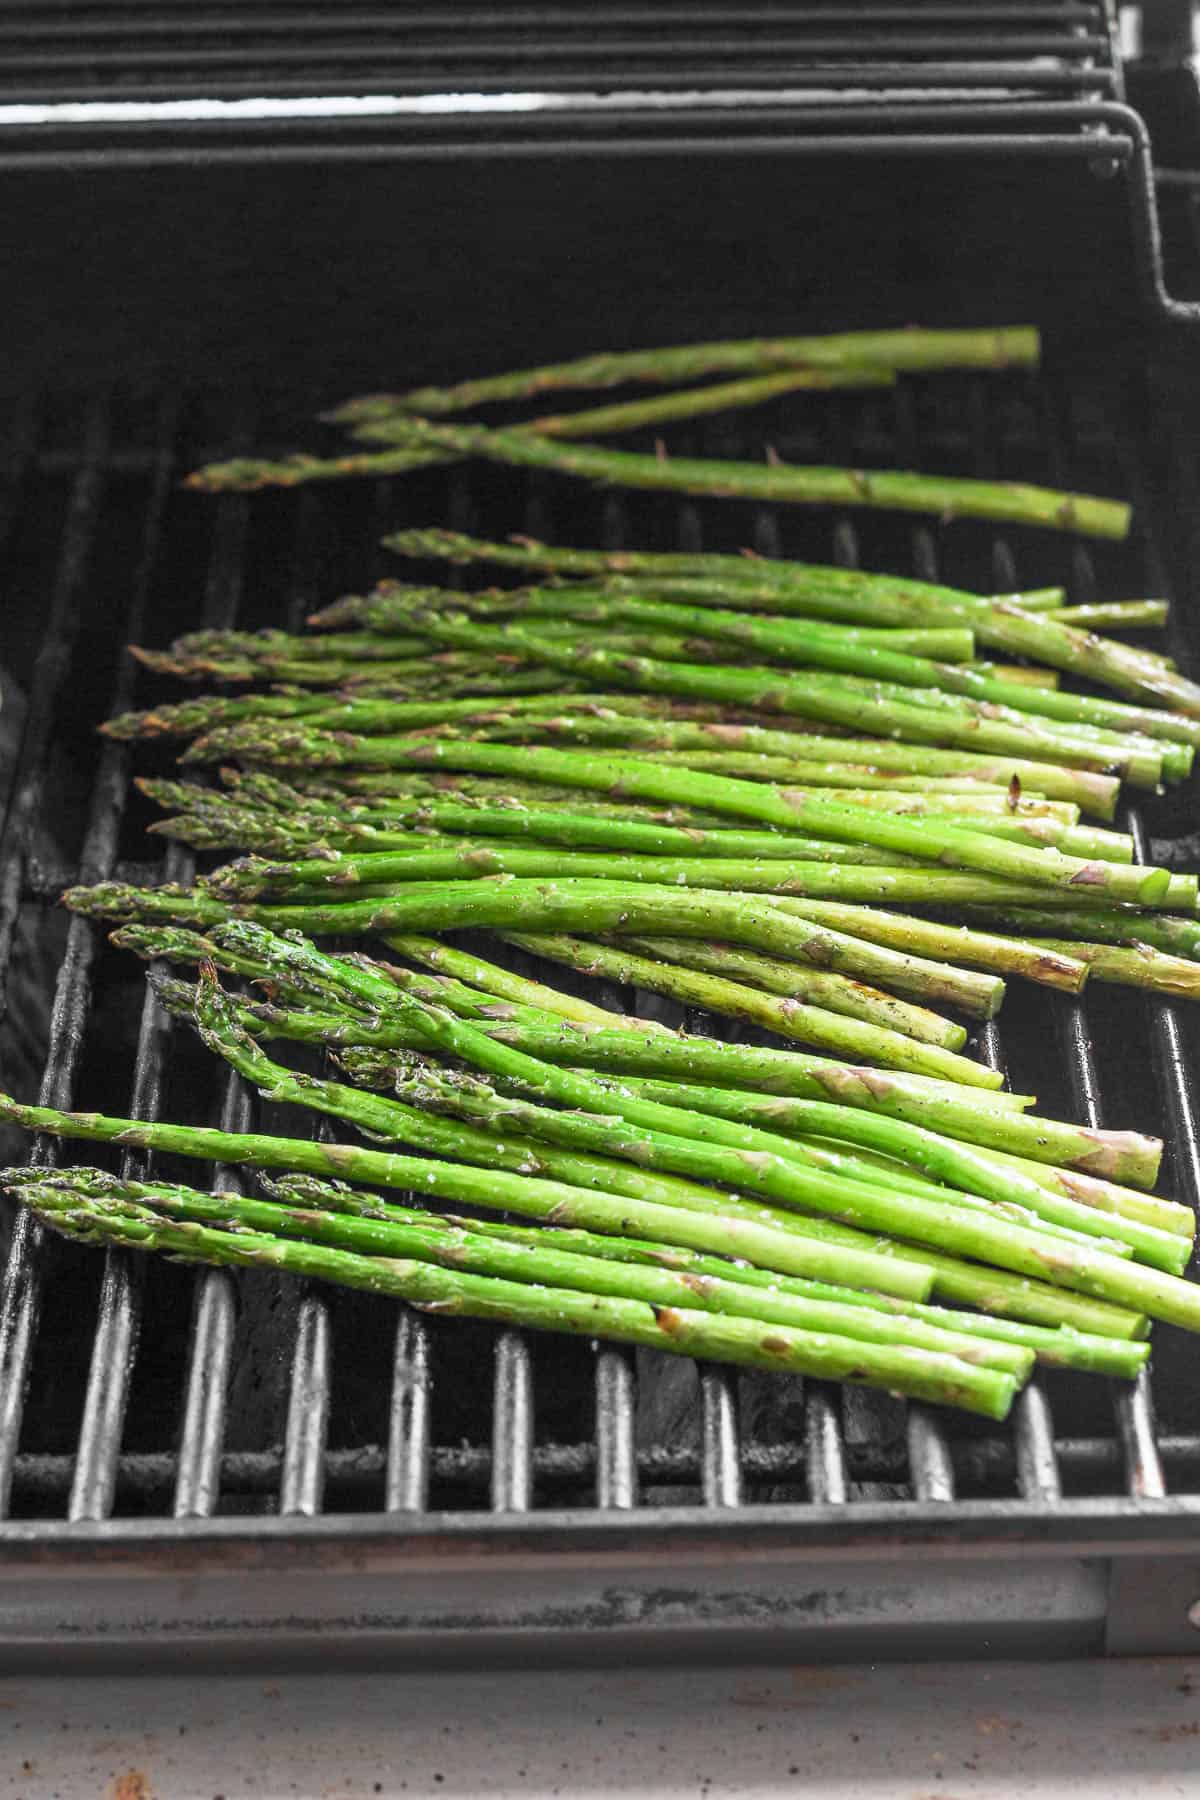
{"x": 1108, "y": 925}
{"x": 365, "y": 986}
{"x": 957, "y": 943}
{"x": 639, "y": 778}
{"x": 757, "y": 1165}
{"x": 1113, "y": 615}
{"x": 800, "y": 641}
{"x": 367, "y": 879}
{"x": 749, "y": 1233}
{"x": 347, "y": 1220}
{"x": 247, "y": 473}
{"x": 684, "y": 1331}
{"x": 1056, "y": 1347}
{"x": 854, "y": 595}
{"x": 910, "y": 348}
{"x": 503, "y": 984}
{"x": 945, "y": 496}
{"x": 1139, "y": 965}
{"x": 1119, "y": 1155}
{"x": 1094, "y": 792}
{"x": 793, "y": 982}
{"x": 672, "y": 960}
{"x": 572, "y": 905}
{"x": 803, "y": 1020}
{"x": 920, "y": 714}
{"x": 941, "y": 1159}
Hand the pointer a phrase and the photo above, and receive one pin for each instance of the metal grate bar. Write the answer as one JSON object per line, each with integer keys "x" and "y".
{"x": 310, "y": 1388}
{"x": 824, "y": 1447}
{"x": 210, "y": 1350}
{"x": 1174, "y": 1069}
{"x": 720, "y": 1438}
{"x": 115, "y": 1343}
{"x": 616, "y": 1458}
{"x": 20, "y": 1292}
{"x": 512, "y": 1425}
{"x": 1037, "y": 1467}
{"x": 931, "y": 1471}
{"x": 118, "y": 1325}
{"x": 210, "y": 1357}
{"x": 406, "y": 1481}
{"x": 930, "y": 1467}
{"x": 720, "y": 1445}
{"x": 302, "y": 1487}
{"x": 982, "y": 1464}
{"x": 49, "y": 674}
{"x": 1133, "y": 1403}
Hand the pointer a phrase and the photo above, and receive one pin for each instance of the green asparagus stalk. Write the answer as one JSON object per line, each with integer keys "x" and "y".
{"x": 910, "y": 348}
{"x": 805, "y": 1020}
{"x": 1113, "y": 615}
{"x": 502, "y": 984}
{"x": 506, "y": 1179}
{"x": 757, "y": 1165}
{"x": 769, "y": 585}
{"x": 1118, "y": 1156}
{"x": 1061, "y": 1346}
{"x": 1108, "y": 1196}
{"x": 271, "y": 645}
{"x": 816, "y": 988}
{"x": 808, "y": 643}
{"x": 548, "y": 825}
{"x": 849, "y": 702}
{"x": 956, "y": 943}
{"x": 431, "y": 1287}
{"x": 247, "y": 473}
{"x": 363, "y": 985}
{"x": 642, "y": 779}
{"x": 362, "y": 880}
{"x": 812, "y": 485}
{"x": 1139, "y": 966}
{"x": 1106, "y": 925}
{"x": 363, "y": 1223}
{"x": 981, "y": 1118}
{"x": 545, "y": 905}
{"x": 1092, "y": 791}
{"x": 793, "y": 1116}
{"x": 853, "y": 595}
{"x": 971, "y": 1170}
{"x": 665, "y": 409}
{"x": 225, "y": 827}
{"x": 921, "y": 714}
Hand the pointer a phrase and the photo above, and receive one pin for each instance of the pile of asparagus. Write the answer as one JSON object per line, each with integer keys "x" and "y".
{"x": 808, "y": 799}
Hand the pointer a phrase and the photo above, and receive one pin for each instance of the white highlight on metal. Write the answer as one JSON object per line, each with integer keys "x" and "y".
{"x": 382, "y": 106}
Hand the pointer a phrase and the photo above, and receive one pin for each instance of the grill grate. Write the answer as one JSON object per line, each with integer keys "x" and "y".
{"x": 155, "y": 52}
{"x": 150, "y": 1392}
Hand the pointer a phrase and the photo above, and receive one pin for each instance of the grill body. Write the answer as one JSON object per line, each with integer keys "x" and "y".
{"x": 193, "y": 1463}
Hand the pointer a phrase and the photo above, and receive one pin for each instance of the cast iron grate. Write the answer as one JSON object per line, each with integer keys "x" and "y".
{"x": 142, "y": 1390}
{"x": 126, "y": 50}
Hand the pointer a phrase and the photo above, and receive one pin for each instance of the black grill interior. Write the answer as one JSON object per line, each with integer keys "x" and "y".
{"x": 154, "y": 1389}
